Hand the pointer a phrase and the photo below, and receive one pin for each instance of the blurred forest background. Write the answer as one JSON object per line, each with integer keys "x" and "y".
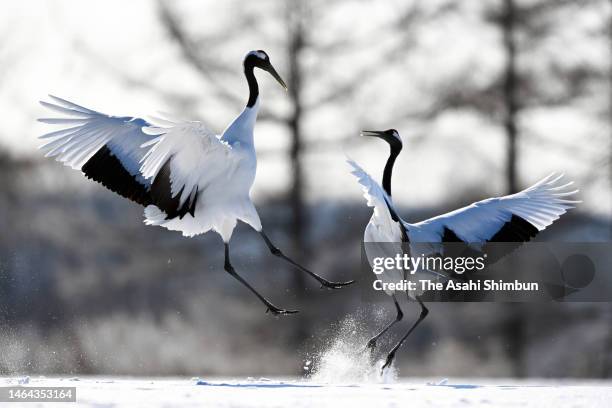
{"x": 489, "y": 96}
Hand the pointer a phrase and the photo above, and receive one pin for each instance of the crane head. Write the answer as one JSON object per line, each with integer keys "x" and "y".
{"x": 390, "y": 136}
{"x": 260, "y": 59}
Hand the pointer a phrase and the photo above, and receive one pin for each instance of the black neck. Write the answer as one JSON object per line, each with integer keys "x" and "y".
{"x": 253, "y": 87}
{"x": 389, "y": 170}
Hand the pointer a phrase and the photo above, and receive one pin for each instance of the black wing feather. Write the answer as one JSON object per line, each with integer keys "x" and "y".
{"x": 161, "y": 195}
{"x": 517, "y": 230}
{"x": 105, "y": 168}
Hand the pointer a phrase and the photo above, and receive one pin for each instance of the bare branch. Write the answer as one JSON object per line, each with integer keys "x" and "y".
{"x": 207, "y": 69}
{"x": 192, "y": 55}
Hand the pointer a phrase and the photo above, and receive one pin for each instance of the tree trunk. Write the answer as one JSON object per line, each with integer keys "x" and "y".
{"x": 515, "y": 325}
{"x": 299, "y": 222}
{"x": 510, "y": 94}
{"x": 607, "y": 361}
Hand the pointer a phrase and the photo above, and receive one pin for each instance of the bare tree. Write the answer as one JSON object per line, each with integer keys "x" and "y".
{"x": 510, "y": 95}
{"x": 295, "y": 19}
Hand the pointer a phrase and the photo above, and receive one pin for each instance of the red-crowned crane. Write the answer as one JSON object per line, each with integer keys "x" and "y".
{"x": 188, "y": 178}
{"x": 512, "y": 218}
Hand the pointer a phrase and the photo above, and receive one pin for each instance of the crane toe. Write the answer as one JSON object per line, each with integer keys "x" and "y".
{"x": 388, "y": 362}
{"x": 335, "y": 285}
{"x": 277, "y": 311}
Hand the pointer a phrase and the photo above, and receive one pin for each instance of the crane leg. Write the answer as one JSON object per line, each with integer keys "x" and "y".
{"x": 277, "y": 252}
{"x": 391, "y": 355}
{"x": 230, "y": 269}
{"x": 372, "y": 342}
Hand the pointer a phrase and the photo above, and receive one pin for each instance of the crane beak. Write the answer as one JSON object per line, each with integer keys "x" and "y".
{"x": 273, "y": 72}
{"x": 374, "y": 133}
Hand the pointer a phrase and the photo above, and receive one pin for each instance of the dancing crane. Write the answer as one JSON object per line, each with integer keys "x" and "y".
{"x": 188, "y": 178}
{"x": 512, "y": 218}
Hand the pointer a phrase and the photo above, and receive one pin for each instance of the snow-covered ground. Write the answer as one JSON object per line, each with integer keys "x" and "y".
{"x": 248, "y": 392}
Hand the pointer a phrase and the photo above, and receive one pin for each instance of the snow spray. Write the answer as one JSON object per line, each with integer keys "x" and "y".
{"x": 345, "y": 359}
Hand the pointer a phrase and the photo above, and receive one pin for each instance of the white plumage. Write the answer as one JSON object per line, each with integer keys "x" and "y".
{"x": 188, "y": 178}
{"x": 512, "y": 218}
{"x": 86, "y": 131}
{"x": 216, "y": 172}
{"x": 219, "y": 172}
{"x": 540, "y": 205}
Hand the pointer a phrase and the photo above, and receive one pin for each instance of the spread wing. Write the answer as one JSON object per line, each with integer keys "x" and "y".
{"x": 512, "y": 218}
{"x": 105, "y": 148}
{"x": 184, "y": 158}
